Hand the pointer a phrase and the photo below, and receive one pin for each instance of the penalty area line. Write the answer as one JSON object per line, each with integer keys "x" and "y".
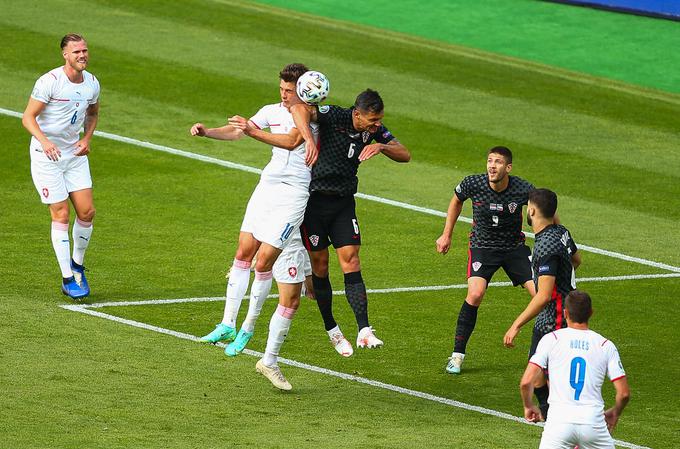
{"x": 317, "y": 369}
{"x": 377, "y": 199}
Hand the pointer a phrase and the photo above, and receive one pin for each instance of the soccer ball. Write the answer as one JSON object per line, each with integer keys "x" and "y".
{"x": 312, "y": 87}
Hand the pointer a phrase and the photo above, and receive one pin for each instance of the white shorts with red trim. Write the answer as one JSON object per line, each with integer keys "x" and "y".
{"x": 54, "y": 180}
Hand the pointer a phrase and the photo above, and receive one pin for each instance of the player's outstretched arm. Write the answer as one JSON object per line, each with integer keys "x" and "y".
{"x": 30, "y": 122}
{"x": 546, "y": 284}
{"x": 303, "y": 115}
{"x": 452, "y": 214}
{"x": 532, "y": 374}
{"x": 91, "y": 119}
{"x": 226, "y": 132}
{"x": 612, "y": 415}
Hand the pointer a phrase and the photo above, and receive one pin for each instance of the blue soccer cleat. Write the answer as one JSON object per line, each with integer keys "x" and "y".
{"x": 239, "y": 344}
{"x": 72, "y": 289}
{"x": 79, "y": 275}
{"x": 455, "y": 363}
{"x": 222, "y": 332}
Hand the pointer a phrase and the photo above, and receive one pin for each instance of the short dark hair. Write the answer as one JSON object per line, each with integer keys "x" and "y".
{"x": 369, "y": 101}
{"x": 292, "y": 72}
{"x": 503, "y": 151}
{"x": 579, "y": 305}
{"x": 545, "y": 200}
{"x": 71, "y": 37}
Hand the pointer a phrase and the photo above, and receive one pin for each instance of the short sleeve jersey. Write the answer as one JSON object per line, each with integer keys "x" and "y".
{"x": 284, "y": 166}
{"x": 553, "y": 249}
{"x": 66, "y": 105}
{"x": 339, "y": 147}
{"x": 497, "y": 216}
{"x": 578, "y": 361}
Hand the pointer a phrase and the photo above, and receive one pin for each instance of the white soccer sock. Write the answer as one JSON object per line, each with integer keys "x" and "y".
{"x": 237, "y": 284}
{"x": 62, "y": 248}
{"x": 278, "y": 330}
{"x": 82, "y": 230}
{"x": 262, "y": 285}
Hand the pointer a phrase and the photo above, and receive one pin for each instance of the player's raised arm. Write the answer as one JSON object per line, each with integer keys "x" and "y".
{"x": 226, "y": 132}
{"x": 452, "y": 214}
{"x": 289, "y": 141}
{"x": 546, "y": 284}
{"x": 303, "y": 115}
{"x": 30, "y": 122}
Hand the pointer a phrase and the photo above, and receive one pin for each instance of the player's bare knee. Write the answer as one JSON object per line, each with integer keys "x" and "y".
{"x": 87, "y": 215}
{"x": 59, "y": 213}
{"x": 263, "y": 264}
{"x": 474, "y": 297}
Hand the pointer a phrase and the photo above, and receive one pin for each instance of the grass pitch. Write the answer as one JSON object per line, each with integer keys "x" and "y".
{"x": 166, "y": 227}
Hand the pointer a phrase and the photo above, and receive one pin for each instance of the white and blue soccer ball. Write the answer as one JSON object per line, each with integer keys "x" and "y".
{"x": 313, "y": 87}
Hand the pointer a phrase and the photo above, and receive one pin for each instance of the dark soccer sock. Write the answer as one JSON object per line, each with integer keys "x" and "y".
{"x": 324, "y": 299}
{"x": 542, "y": 396}
{"x": 467, "y": 318}
{"x": 355, "y": 290}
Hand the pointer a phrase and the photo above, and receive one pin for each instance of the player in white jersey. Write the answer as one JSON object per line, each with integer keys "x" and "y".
{"x": 578, "y": 359}
{"x": 65, "y": 101}
{"x": 274, "y": 212}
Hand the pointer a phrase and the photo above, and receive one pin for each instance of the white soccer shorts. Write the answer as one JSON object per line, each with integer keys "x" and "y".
{"x": 275, "y": 212}
{"x": 557, "y": 435}
{"x": 55, "y": 180}
{"x": 293, "y": 265}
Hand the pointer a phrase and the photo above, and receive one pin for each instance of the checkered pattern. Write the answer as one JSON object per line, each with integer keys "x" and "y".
{"x": 339, "y": 147}
{"x": 497, "y": 215}
{"x": 552, "y": 255}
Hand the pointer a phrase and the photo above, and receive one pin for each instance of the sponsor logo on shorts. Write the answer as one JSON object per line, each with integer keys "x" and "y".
{"x": 512, "y": 207}
{"x": 314, "y": 240}
{"x": 292, "y": 272}
{"x": 476, "y": 266}
{"x": 45, "y": 192}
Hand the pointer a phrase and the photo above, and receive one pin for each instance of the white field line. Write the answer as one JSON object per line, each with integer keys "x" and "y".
{"x": 426, "y": 288}
{"x": 425, "y": 210}
{"x": 373, "y": 383}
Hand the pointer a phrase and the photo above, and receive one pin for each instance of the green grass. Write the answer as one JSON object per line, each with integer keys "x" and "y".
{"x": 166, "y": 227}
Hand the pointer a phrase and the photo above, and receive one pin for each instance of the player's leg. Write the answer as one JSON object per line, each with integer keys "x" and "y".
{"x": 517, "y": 265}
{"x": 82, "y": 232}
{"x": 266, "y": 257}
{"x": 481, "y": 267}
{"x": 48, "y": 178}
{"x": 237, "y": 285}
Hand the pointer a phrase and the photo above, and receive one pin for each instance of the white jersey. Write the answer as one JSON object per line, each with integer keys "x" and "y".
{"x": 67, "y": 102}
{"x": 578, "y": 361}
{"x": 285, "y": 166}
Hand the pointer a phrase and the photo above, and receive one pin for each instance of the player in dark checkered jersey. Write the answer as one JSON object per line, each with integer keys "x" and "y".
{"x": 345, "y": 140}
{"x": 496, "y": 239}
{"x": 553, "y": 263}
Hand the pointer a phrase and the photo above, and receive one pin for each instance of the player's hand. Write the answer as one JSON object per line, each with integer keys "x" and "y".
{"x": 443, "y": 244}
{"x": 611, "y": 418}
{"x": 82, "y": 148}
{"x": 51, "y": 151}
{"x": 197, "y": 130}
{"x": 532, "y": 414}
{"x": 509, "y": 337}
{"x": 369, "y": 151}
{"x": 311, "y": 153}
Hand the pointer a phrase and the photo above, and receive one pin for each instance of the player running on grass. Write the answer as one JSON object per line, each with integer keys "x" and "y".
{"x": 64, "y": 101}
{"x": 275, "y": 209}
{"x": 345, "y": 137}
{"x": 578, "y": 360}
{"x": 496, "y": 239}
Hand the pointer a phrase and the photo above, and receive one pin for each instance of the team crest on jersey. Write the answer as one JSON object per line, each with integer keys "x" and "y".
{"x": 45, "y": 192}
{"x": 323, "y": 109}
{"x": 476, "y": 266}
{"x": 365, "y": 136}
{"x": 512, "y": 207}
{"x": 292, "y": 272}
{"x": 314, "y": 240}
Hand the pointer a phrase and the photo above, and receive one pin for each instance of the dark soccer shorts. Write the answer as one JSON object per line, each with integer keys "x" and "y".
{"x": 330, "y": 219}
{"x": 484, "y": 262}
